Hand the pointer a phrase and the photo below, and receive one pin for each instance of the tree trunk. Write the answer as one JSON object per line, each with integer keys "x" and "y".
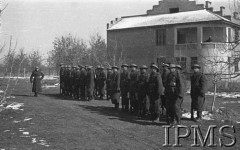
{"x": 214, "y": 96}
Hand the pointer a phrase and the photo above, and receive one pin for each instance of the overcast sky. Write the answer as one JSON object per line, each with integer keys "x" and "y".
{"x": 35, "y": 23}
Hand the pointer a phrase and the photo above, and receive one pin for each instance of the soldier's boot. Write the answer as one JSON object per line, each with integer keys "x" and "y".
{"x": 192, "y": 114}
{"x": 199, "y": 116}
{"x": 117, "y": 106}
{"x": 36, "y": 94}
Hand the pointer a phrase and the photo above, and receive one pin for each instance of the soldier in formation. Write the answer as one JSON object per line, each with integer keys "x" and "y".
{"x": 198, "y": 90}
{"x": 108, "y": 81}
{"x": 174, "y": 93}
{"x": 115, "y": 87}
{"x": 155, "y": 90}
{"x": 124, "y": 87}
{"x": 133, "y": 82}
{"x": 138, "y": 91}
{"x": 143, "y": 101}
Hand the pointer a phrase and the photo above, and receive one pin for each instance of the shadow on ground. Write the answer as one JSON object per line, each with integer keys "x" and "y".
{"x": 59, "y": 97}
{"x": 120, "y": 115}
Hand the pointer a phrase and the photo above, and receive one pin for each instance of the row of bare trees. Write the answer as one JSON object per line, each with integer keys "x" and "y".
{"x": 71, "y": 50}
{"x": 20, "y": 63}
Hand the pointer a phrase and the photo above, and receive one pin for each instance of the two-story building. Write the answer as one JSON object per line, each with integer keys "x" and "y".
{"x": 177, "y": 31}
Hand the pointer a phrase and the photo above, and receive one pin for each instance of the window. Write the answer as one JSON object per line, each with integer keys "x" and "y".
{"x": 182, "y": 61}
{"x": 186, "y": 35}
{"x": 173, "y": 10}
{"x": 236, "y": 65}
{"x": 237, "y": 37}
{"x": 194, "y": 60}
{"x": 161, "y": 37}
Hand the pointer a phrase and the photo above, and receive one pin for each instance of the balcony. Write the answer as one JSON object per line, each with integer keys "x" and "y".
{"x": 207, "y": 48}
{"x": 215, "y": 45}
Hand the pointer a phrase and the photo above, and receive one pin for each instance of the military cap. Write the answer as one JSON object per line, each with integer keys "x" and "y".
{"x": 36, "y": 67}
{"x": 196, "y": 66}
{"x": 115, "y": 67}
{"x": 80, "y": 66}
{"x": 60, "y": 64}
{"x": 98, "y": 67}
{"x": 165, "y": 65}
{"x": 89, "y": 67}
{"x": 143, "y": 67}
{"x": 124, "y": 65}
{"x": 101, "y": 67}
{"x": 172, "y": 66}
{"x": 154, "y": 66}
{"x": 179, "y": 67}
{"x": 133, "y": 65}
{"x": 109, "y": 68}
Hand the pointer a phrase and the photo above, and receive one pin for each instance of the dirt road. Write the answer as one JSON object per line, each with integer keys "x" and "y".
{"x": 59, "y": 123}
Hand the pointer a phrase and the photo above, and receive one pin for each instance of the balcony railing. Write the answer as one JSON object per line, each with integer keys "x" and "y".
{"x": 214, "y": 45}
{"x": 188, "y": 46}
{"x": 206, "y": 45}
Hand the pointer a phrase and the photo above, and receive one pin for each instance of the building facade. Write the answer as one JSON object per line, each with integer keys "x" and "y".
{"x": 175, "y": 31}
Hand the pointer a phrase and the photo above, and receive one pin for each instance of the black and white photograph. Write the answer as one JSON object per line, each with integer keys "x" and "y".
{"x": 119, "y": 74}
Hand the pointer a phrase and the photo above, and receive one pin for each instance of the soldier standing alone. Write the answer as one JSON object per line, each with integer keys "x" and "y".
{"x": 36, "y": 78}
{"x": 198, "y": 90}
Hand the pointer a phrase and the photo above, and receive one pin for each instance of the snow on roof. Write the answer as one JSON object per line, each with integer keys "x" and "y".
{"x": 167, "y": 19}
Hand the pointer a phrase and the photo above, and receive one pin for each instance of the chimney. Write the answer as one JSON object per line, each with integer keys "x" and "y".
{"x": 116, "y": 19}
{"x": 207, "y": 3}
{"x": 229, "y": 17}
{"x": 236, "y": 15}
{"x": 210, "y": 9}
{"x": 107, "y": 25}
{"x": 221, "y": 9}
{"x": 112, "y": 22}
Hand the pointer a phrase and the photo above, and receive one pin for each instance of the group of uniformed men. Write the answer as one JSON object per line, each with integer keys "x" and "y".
{"x": 141, "y": 93}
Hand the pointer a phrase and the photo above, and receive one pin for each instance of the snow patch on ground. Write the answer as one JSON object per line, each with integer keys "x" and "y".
{"x": 34, "y": 140}
{"x": 231, "y": 102}
{"x": 50, "y": 86}
{"x": 15, "y": 106}
{"x": 27, "y": 119}
{"x": 8, "y": 97}
{"x": 15, "y": 121}
{"x": 1, "y": 91}
{"x": 222, "y": 94}
{"x": 28, "y": 77}
{"x": 205, "y": 115}
{"x": 6, "y": 130}
{"x": 25, "y": 133}
{"x": 43, "y": 143}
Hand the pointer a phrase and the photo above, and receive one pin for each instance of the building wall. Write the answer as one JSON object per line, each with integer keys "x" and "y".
{"x": 139, "y": 45}
{"x": 183, "y": 5}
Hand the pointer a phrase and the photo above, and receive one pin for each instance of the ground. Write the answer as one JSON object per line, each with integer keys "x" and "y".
{"x": 59, "y": 123}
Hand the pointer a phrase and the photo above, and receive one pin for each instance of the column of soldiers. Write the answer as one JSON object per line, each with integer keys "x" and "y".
{"x": 138, "y": 91}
